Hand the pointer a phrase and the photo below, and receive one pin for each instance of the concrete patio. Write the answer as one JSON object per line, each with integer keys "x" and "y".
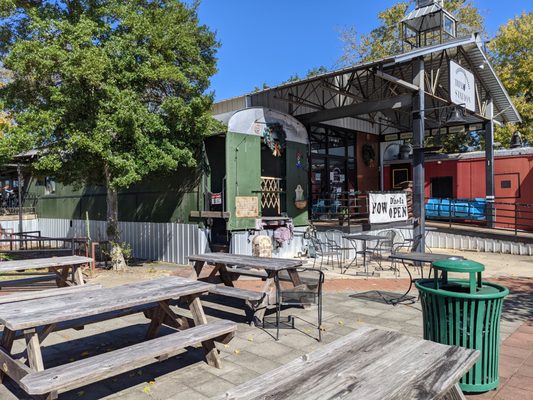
{"x": 348, "y": 304}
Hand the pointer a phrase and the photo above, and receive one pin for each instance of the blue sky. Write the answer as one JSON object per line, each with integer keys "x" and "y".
{"x": 268, "y": 41}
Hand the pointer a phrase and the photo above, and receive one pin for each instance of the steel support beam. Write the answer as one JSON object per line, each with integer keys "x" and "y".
{"x": 489, "y": 164}
{"x": 418, "y": 156}
{"x": 20, "y": 183}
{"x": 352, "y": 110}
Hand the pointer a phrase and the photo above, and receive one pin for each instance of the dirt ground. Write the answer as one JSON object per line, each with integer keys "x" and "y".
{"x": 496, "y": 266}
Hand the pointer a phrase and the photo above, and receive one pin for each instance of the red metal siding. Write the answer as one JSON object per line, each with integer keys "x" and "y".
{"x": 513, "y": 182}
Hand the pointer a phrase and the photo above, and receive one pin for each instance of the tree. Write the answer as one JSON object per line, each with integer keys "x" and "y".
{"x": 384, "y": 40}
{"x": 111, "y": 90}
{"x": 512, "y": 55}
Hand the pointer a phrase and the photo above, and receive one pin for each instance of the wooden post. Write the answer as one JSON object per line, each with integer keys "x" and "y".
{"x": 197, "y": 311}
{"x": 33, "y": 346}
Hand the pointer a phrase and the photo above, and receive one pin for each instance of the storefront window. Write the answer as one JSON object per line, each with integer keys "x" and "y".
{"x": 333, "y": 170}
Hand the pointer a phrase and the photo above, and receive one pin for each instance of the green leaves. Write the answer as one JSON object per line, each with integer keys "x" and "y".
{"x": 512, "y": 54}
{"x": 113, "y": 83}
{"x": 385, "y": 40}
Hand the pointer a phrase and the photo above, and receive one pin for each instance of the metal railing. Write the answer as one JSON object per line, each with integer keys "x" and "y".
{"x": 507, "y": 216}
{"x": 32, "y": 244}
{"x": 346, "y": 207}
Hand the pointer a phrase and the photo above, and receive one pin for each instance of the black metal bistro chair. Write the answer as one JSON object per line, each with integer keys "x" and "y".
{"x": 309, "y": 291}
{"x": 383, "y": 247}
{"x": 336, "y": 244}
{"x": 321, "y": 250}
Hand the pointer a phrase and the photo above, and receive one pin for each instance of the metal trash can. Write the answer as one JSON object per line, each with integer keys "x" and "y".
{"x": 466, "y": 313}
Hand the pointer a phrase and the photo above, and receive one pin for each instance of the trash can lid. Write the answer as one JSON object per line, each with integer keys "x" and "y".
{"x": 454, "y": 265}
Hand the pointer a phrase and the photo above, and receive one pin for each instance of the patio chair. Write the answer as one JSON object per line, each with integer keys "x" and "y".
{"x": 383, "y": 247}
{"x": 307, "y": 293}
{"x": 335, "y": 243}
{"x": 406, "y": 245}
{"x": 321, "y": 250}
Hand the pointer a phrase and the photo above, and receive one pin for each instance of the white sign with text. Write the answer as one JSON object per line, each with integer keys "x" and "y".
{"x": 387, "y": 207}
{"x": 462, "y": 86}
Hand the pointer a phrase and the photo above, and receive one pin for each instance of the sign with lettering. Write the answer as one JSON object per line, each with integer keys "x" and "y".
{"x": 462, "y": 86}
{"x": 387, "y": 207}
{"x": 216, "y": 199}
{"x": 246, "y": 206}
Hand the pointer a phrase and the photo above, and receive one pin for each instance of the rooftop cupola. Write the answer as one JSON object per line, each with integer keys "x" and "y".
{"x": 428, "y": 24}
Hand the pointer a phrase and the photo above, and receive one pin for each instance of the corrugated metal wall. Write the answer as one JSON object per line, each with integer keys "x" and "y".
{"x": 170, "y": 242}
{"x": 242, "y": 244}
{"x": 12, "y": 225}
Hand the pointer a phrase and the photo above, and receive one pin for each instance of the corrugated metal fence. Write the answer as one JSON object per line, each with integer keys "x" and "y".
{"x": 173, "y": 242}
{"x": 170, "y": 242}
{"x": 12, "y": 225}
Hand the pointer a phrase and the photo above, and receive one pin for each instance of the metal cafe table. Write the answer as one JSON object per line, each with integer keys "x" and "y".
{"x": 417, "y": 257}
{"x": 363, "y": 238}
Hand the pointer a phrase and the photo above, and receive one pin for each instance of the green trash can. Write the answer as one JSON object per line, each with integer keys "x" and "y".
{"x": 466, "y": 313}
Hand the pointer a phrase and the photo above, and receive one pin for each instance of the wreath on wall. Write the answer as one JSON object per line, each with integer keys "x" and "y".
{"x": 369, "y": 155}
{"x": 275, "y": 138}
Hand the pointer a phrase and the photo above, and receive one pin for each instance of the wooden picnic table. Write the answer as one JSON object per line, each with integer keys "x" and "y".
{"x": 36, "y": 319}
{"x": 229, "y": 267}
{"x": 58, "y": 266}
{"x": 369, "y": 364}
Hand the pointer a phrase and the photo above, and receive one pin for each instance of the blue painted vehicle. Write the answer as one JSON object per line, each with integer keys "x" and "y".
{"x": 472, "y": 209}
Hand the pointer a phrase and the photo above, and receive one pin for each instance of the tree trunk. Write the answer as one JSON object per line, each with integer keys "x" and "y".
{"x": 113, "y": 234}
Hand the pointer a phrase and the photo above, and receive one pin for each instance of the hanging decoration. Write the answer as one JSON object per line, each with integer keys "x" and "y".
{"x": 275, "y": 138}
{"x": 298, "y": 160}
{"x": 369, "y": 155}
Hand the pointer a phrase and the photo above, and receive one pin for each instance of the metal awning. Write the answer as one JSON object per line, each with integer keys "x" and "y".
{"x": 370, "y": 96}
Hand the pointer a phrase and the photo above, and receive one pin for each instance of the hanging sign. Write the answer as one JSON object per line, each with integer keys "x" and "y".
{"x": 387, "y": 207}
{"x": 216, "y": 198}
{"x": 462, "y": 86}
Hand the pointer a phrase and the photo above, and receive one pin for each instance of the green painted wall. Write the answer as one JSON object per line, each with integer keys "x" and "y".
{"x": 297, "y": 176}
{"x": 161, "y": 198}
{"x": 243, "y": 174}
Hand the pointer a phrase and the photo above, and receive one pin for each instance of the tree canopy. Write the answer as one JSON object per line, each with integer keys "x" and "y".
{"x": 110, "y": 90}
{"x": 109, "y": 84}
{"x": 385, "y": 40}
{"x": 512, "y": 55}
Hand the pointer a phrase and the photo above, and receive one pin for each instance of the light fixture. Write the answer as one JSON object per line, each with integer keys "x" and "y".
{"x": 516, "y": 140}
{"x": 457, "y": 116}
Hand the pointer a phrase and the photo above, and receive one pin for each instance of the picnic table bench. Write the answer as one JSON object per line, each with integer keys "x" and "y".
{"x": 229, "y": 267}
{"x": 37, "y": 318}
{"x": 59, "y": 268}
{"x": 369, "y": 364}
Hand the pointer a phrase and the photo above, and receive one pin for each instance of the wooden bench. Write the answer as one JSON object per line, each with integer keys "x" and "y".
{"x": 88, "y": 370}
{"x": 37, "y": 318}
{"x": 369, "y": 364}
{"x": 248, "y": 272}
{"x": 243, "y": 294}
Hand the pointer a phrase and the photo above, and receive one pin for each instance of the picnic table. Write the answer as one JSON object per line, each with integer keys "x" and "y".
{"x": 417, "y": 257}
{"x": 66, "y": 270}
{"x": 229, "y": 267}
{"x": 369, "y": 364}
{"x": 36, "y": 319}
